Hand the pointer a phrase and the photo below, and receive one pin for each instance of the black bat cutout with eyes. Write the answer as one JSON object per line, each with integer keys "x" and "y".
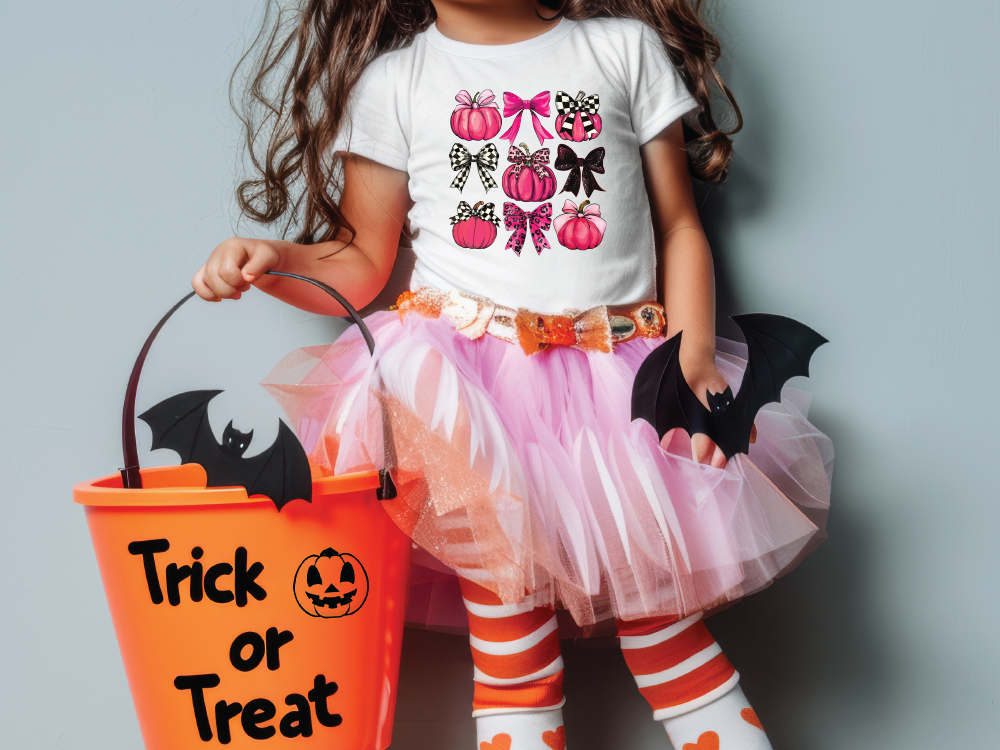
{"x": 778, "y": 349}
{"x": 281, "y": 472}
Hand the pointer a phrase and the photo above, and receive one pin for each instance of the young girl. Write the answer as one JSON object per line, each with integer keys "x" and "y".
{"x": 539, "y": 159}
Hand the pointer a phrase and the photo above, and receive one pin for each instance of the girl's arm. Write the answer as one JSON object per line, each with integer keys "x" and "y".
{"x": 686, "y": 273}
{"x": 375, "y": 201}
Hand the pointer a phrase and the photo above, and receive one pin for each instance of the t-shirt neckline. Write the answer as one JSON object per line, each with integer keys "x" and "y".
{"x": 492, "y": 51}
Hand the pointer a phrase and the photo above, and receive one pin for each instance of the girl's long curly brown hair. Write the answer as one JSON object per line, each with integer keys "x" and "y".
{"x": 300, "y": 71}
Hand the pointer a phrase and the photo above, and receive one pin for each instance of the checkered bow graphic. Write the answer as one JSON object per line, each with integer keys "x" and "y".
{"x": 482, "y": 211}
{"x": 486, "y": 161}
{"x": 582, "y": 107}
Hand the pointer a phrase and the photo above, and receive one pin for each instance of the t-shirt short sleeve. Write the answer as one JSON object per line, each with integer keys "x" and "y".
{"x": 377, "y": 113}
{"x": 657, "y": 93}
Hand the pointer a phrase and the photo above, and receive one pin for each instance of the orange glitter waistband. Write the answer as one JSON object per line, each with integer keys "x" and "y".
{"x": 597, "y": 329}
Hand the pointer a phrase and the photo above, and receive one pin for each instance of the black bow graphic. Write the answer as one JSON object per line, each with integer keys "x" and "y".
{"x": 461, "y": 161}
{"x": 592, "y": 162}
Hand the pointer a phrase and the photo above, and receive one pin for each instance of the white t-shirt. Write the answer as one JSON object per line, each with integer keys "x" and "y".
{"x": 593, "y": 91}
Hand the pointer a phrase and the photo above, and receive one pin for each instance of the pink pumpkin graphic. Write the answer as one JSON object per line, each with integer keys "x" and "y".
{"x": 476, "y": 118}
{"x": 528, "y": 179}
{"x": 578, "y": 132}
{"x": 577, "y": 118}
{"x": 474, "y": 227}
{"x": 580, "y": 227}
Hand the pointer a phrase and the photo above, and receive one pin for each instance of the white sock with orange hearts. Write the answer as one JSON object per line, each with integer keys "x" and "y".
{"x": 727, "y": 723}
{"x": 690, "y": 685}
{"x": 517, "y": 702}
{"x": 536, "y": 730}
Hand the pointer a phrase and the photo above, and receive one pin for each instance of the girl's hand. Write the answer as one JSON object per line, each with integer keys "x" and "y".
{"x": 704, "y": 378}
{"x": 357, "y": 263}
{"x": 233, "y": 266}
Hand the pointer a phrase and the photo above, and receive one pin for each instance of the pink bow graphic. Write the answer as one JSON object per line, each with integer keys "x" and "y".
{"x": 519, "y": 221}
{"x": 515, "y": 105}
{"x": 465, "y": 100}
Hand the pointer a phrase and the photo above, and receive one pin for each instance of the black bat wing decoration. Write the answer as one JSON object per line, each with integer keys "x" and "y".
{"x": 778, "y": 348}
{"x": 281, "y": 472}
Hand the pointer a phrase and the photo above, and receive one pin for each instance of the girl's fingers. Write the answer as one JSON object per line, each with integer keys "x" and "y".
{"x": 753, "y": 434}
{"x": 219, "y": 287}
{"x": 231, "y": 273}
{"x": 232, "y": 267}
{"x": 667, "y": 437}
{"x": 705, "y": 451}
{"x": 201, "y": 288}
{"x": 702, "y": 448}
{"x": 719, "y": 458}
{"x": 264, "y": 258}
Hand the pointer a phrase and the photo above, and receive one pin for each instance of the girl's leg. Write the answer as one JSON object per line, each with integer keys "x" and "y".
{"x": 518, "y": 697}
{"x": 690, "y": 684}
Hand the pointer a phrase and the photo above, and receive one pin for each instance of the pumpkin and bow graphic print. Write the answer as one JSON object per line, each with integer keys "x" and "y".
{"x": 528, "y": 178}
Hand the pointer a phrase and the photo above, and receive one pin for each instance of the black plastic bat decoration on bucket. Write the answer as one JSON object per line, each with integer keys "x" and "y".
{"x": 181, "y": 424}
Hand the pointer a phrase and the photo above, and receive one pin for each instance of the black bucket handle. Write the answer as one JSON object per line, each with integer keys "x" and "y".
{"x": 131, "y": 478}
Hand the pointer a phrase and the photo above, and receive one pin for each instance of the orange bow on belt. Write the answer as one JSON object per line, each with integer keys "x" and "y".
{"x": 597, "y": 329}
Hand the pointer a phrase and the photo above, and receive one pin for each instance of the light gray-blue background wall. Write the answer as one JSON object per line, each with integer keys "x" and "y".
{"x": 864, "y": 200}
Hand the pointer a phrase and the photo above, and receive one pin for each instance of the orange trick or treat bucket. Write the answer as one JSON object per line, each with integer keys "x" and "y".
{"x": 240, "y": 624}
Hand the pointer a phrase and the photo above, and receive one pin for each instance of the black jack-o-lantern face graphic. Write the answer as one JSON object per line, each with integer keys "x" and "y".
{"x": 330, "y": 584}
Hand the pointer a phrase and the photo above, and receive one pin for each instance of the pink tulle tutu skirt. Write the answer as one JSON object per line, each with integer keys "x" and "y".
{"x": 527, "y": 475}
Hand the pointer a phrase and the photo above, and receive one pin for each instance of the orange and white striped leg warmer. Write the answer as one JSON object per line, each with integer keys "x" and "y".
{"x": 690, "y": 684}
{"x": 518, "y": 673}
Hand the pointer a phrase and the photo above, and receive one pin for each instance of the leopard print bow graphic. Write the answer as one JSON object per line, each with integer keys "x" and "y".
{"x": 566, "y": 158}
{"x": 481, "y": 210}
{"x": 486, "y": 161}
{"x": 583, "y": 107}
{"x": 519, "y": 221}
{"x": 522, "y": 158}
